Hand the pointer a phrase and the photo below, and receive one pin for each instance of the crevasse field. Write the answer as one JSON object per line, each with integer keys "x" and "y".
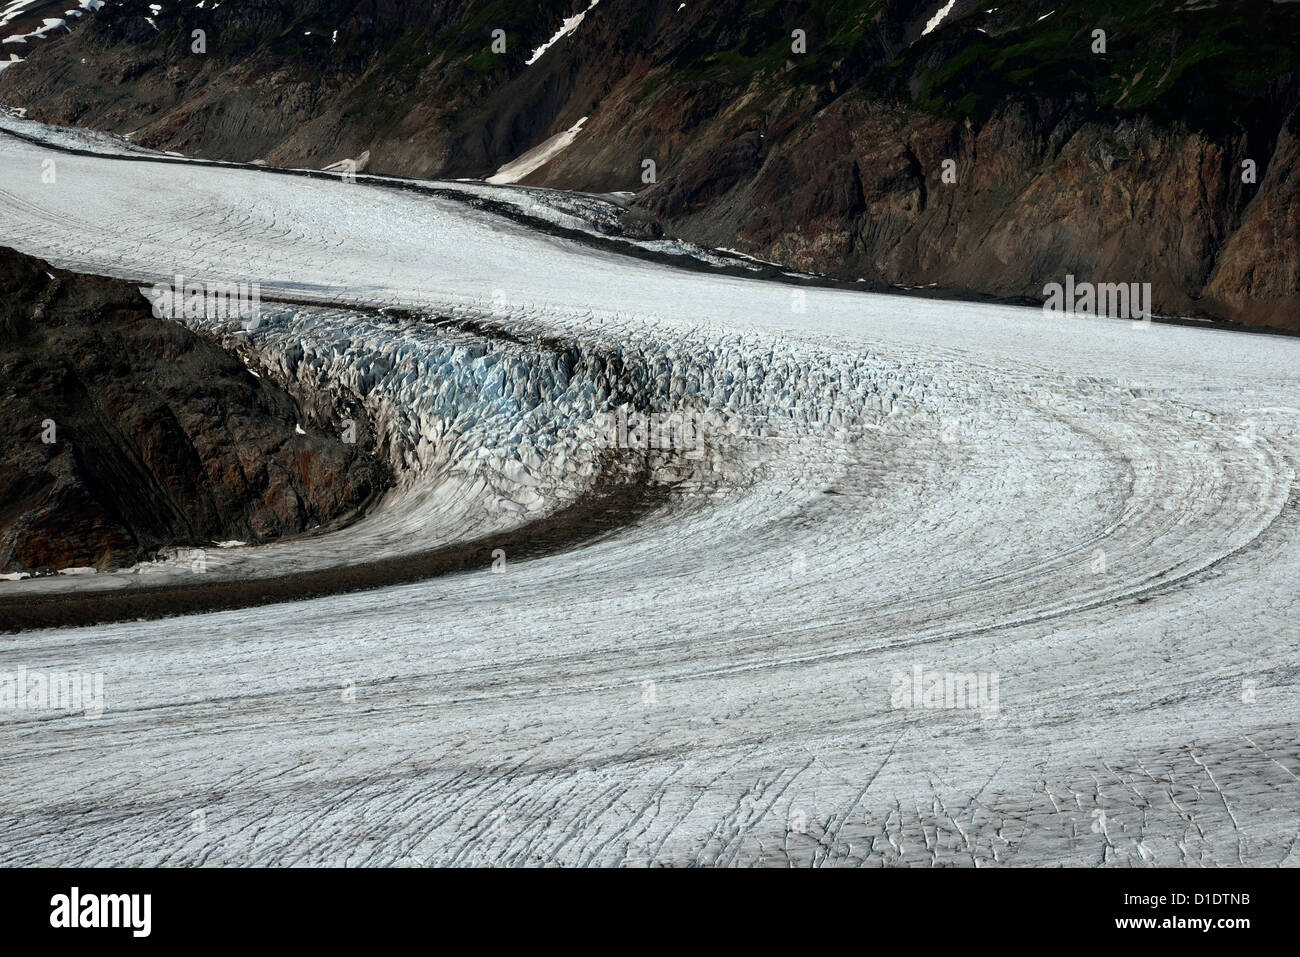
{"x": 1095, "y": 519}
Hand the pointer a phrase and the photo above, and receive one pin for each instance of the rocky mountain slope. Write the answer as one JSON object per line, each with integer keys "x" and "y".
{"x": 128, "y": 433}
{"x": 26, "y": 24}
{"x": 816, "y": 134}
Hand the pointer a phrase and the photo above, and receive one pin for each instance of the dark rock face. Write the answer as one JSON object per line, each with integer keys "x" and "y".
{"x": 1116, "y": 166}
{"x": 1128, "y": 202}
{"x": 125, "y": 433}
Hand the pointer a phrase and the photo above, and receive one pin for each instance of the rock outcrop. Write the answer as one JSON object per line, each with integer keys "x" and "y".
{"x": 126, "y": 433}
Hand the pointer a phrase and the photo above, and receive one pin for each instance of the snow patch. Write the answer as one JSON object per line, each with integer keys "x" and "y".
{"x": 566, "y": 28}
{"x": 13, "y": 10}
{"x": 538, "y": 156}
{"x": 938, "y": 17}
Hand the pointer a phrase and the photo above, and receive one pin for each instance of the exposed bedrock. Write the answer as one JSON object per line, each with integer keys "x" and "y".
{"x": 126, "y": 433}
{"x": 1037, "y": 195}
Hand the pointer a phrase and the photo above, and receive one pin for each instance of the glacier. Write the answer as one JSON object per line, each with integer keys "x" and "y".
{"x": 1102, "y": 517}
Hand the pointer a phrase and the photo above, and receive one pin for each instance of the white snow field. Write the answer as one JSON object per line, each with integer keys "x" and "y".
{"x": 1096, "y": 522}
